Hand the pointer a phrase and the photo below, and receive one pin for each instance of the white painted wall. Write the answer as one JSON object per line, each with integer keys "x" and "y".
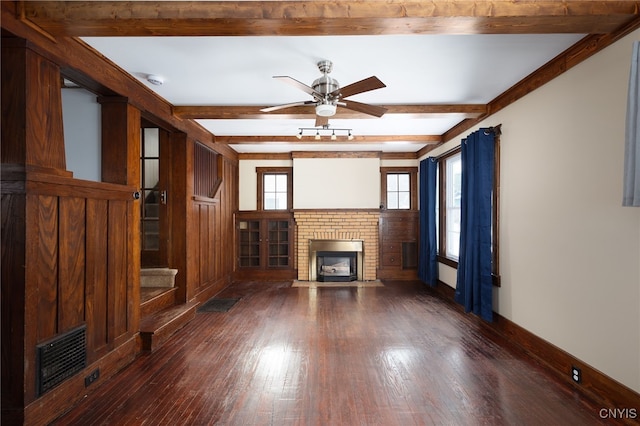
{"x": 569, "y": 251}
{"x": 248, "y": 180}
{"x": 399, "y": 163}
{"x": 81, "y": 117}
{"x": 249, "y": 186}
{"x": 335, "y": 183}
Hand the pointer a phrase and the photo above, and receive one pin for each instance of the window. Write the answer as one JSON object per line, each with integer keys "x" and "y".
{"x": 453, "y": 190}
{"x": 275, "y": 191}
{"x": 449, "y": 181}
{"x": 448, "y": 202}
{"x": 275, "y": 188}
{"x": 399, "y": 188}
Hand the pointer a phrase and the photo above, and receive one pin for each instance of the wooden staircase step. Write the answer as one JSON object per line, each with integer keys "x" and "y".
{"x": 156, "y": 328}
{"x": 158, "y": 277}
{"x": 156, "y": 299}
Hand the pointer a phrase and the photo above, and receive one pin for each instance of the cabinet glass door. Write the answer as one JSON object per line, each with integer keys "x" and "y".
{"x": 249, "y": 243}
{"x": 278, "y": 252}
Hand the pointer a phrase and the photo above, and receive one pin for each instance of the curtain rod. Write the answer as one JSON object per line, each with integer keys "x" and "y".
{"x": 497, "y": 130}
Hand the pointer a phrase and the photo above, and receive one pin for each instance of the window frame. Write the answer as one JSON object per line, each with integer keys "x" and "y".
{"x": 261, "y": 173}
{"x": 413, "y": 186}
{"x": 442, "y": 208}
{"x": 495, "y": 214}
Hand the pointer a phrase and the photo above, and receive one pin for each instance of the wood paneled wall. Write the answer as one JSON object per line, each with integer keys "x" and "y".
{"x": 70, "y": 251}
{"x": 29, "y": 113}
{"x": 213, "y": 224}
{"x": 68, "y": 258}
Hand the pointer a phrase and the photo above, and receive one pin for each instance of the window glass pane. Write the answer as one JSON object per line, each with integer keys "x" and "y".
{"x": 392, "y": 200}
{"x": 281, "y": 183}
{"x": 151, "y": 173}
{"x": 269, "y": 201}
{"x": 454, "y": 180}
{"x": 404, "y": 200}
{"x": 453, "y": 233}
{"x": 151, "y": 238}
{"x": 281, "y": 201}
{"x": 269, "y": 183}
{"x": 403, "y": 182}
{"x": 151, "y": 205}
{"x": 392, "y": 182}
{"x": 151, "y": 143}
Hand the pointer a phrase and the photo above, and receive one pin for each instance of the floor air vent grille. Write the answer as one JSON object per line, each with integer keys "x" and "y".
{"x": 61, "y": 358}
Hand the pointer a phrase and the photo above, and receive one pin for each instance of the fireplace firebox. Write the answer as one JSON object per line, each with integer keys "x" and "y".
{"x": 336, "y": 266}
{"x": 336, "y": 260}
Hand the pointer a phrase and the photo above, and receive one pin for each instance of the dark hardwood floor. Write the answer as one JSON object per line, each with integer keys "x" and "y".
{"x": 393, "y": 355}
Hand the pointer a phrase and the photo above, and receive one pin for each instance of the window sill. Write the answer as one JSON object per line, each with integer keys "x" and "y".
{"x": 447, "y": 261}
{"x": 454, "y": 264}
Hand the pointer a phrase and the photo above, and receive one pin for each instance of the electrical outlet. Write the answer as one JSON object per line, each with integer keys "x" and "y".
{"x": 576, "y": 374}
{"x": 95, "y": 374}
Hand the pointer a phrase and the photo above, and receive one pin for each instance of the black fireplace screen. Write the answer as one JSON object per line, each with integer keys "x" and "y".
{"x": 336, "y": 266}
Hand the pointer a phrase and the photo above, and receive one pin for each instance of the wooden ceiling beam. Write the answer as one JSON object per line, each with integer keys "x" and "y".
{"x": 325, "y": 17}
{"x": 230, "y": 112}
{"x": 413, "y": 139}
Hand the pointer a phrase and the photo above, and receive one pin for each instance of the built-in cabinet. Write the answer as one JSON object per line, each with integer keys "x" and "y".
{"x": 265, "y": 244}
{"x": 398, "y": 239}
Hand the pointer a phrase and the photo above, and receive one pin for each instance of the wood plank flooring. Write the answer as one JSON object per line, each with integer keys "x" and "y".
{"x": 392, "y": 355}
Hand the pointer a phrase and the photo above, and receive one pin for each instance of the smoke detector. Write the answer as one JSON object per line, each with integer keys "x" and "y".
{"x": 155, "y": 79}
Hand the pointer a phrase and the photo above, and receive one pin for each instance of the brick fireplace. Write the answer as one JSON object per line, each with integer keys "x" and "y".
{"x": 337, "y": 225}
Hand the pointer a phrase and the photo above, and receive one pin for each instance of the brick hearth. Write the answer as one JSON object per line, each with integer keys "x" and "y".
{"x": 337, "y": 225}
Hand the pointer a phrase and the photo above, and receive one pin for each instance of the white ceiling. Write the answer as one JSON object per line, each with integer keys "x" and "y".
{"x": 417, "y": 69}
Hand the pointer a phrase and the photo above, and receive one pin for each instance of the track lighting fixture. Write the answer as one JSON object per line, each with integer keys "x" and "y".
{"x": 319, "y": 132}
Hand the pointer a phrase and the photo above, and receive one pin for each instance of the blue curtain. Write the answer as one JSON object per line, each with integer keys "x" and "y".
{"x": 428, "y": 261}
{"x": 631, "y": 190}
{"x": 474, "y": 286}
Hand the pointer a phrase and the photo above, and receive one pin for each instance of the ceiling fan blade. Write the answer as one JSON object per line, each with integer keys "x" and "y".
{"x": 374, "y": 110}
{"x": 371, "y": 83}
{"x": 300, "y": 85}
{"x": 321, "y": 121}
{"x": 283, "y": 106}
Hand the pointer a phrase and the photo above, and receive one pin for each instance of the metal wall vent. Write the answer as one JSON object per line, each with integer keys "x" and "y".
{"x": 409, "y": 255}
{"x": 61, "y": 358}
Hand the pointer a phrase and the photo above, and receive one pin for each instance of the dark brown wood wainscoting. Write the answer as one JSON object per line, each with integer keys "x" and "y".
{"x": 392, "y": 355}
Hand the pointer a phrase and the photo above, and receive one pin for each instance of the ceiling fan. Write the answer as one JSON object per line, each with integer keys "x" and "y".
{"x": 328, "y": 95}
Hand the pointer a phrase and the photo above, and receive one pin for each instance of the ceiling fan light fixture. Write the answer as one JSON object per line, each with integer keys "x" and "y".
{"x": 326, "y": 110}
